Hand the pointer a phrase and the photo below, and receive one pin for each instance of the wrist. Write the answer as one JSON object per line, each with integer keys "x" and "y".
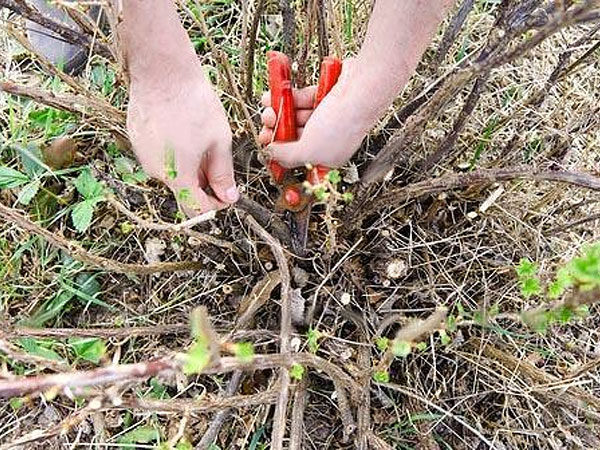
{"x": 157, "y": 48}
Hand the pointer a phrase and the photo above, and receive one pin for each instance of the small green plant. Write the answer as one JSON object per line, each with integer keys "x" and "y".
{"x": 582, "y": 274}
{"x": 127, "y": 169}
{"x": 381, "y": 376}
{"x": 401, "y": 348}
{"x": 88, "y": 349}
{"x": 244, "y": 351}
{"x": 528, "y": 281}
{"x": 312, "y": 338}
{"x": 382, "y": 343}
{"x": 92, "y": 193}
{"x": 297, "y": 371}
{"x": 143, "y": 434}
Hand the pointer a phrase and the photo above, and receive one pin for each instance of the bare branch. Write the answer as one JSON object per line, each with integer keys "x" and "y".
{"x": 80, "y": 254}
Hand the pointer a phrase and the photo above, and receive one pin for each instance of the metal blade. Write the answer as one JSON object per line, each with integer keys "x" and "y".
{"x": 299, "y": 222}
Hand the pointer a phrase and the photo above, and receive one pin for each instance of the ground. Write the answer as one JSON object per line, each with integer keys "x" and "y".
{"x": 482, "y": 376}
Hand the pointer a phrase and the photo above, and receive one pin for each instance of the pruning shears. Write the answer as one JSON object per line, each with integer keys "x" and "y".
{"x": 294, "y": 198}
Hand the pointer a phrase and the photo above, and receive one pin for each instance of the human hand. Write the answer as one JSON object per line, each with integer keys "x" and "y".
{"x": 328, "y": 135}
{"x": 181, "y": 136}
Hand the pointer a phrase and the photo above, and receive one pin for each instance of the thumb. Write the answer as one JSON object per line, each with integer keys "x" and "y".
{"x": 289, "y": 154}
{"x": 219, "y": 173}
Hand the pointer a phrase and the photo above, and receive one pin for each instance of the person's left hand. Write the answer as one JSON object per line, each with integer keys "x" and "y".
{"x": 180, "y": 133}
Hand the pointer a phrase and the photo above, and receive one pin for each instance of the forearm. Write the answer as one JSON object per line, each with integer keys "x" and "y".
{"x": 399, "y": 31}
{"x": 157, "y": 47}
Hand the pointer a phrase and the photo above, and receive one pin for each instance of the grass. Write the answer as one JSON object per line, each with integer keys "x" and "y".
{"x": 455, "y": 259}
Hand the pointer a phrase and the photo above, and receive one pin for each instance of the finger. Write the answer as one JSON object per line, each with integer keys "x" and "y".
{"x": 302, "y": 116}
{"x": 265, "y": 136}
{"x": 303, "y": 98}
{"x": 219, "y": 173}
{"x": 289, "y": 155}
{"x": 268, "y": 117}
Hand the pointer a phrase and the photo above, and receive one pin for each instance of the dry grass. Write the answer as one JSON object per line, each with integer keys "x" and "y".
{"x": 498, "y": 386}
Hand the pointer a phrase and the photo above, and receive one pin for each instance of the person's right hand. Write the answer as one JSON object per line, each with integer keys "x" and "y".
{"x": 328, "y": 135}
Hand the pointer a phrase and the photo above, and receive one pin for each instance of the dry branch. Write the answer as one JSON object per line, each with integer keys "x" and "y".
{"x": 80, "y": 254}
{"x": 68, "y": 34}
{"x": 138, "y": 372}
{"x": 453, "y": 29}
{"x": 97, "y": 332}
{"x": 171, "y": 227}
{"x": 411, "y": 333}
{"x": 74, "y": 381}
{"x": 280, "y": 417}
{"x": 401, "y": 141}
{"x": 399, "y": 195}
{"x": 251, "y": 49}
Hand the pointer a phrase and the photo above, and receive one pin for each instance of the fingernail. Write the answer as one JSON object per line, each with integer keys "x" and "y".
{"x": 232, "y": 194}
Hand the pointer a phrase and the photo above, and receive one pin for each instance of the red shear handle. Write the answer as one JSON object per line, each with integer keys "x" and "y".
{"x": 282, "y": 101}
{"x": 331, "y": 68}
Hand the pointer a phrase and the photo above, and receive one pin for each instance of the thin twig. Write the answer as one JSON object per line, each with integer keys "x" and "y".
{"x": 215, "y": 426}
{"x": 251, "y": 50}
{"x": 76, "y": 380}
{"x": 408, "y": 392}
{"x": 183, "y": 227}
{"x": 411, "y": 333}
{"x": 98, "y": 332}
{"x": 453, "y": 29}
{"x": 280, "y": 416}
{"x": 80, "y": 254}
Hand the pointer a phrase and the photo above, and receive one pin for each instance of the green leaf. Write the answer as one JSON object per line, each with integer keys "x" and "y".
{"x": 585, "y": 270}
{"x": 563, "y": 314}
{"x": 445, "y": 338}
{"x": 297, "y": 371}
{"x": 313, "y": 337}
{"x": 401, "y": 348}
{"x": 451, "y": 323}
{"x": 382, "y": 343}
{"x": 89, "y": 349}
{"x": 320, "y": 194}
{"x": 347, "y": 197}
{"x": 39, "y": 348}
{"x": 16, "y": 403}
{"x": 562, "y": 282}
{"x": 11, "y": 178}
{"x": 28, "y": 192}
{"x": 526, "y": 268}
{"x": 87, "y": 186}
{"x": 32, "y": 160}
{"x": 334, "y": 176}
{"x": 244, "y": 351}
{"x": 143, "y": 434}
{"x": 184, "y": 444}
{"x": 530, "y": 287}
{"x": 159, "y": 391}
{"x": 170, "y": 164}
{"x": 82, "y": 214}
{"x": 381, "y": 376}
{"x": 88, "y": 284}
{"x": 421, "y": 346}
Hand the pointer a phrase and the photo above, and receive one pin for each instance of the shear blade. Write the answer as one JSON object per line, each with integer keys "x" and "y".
{"x": 299, "y": 229}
